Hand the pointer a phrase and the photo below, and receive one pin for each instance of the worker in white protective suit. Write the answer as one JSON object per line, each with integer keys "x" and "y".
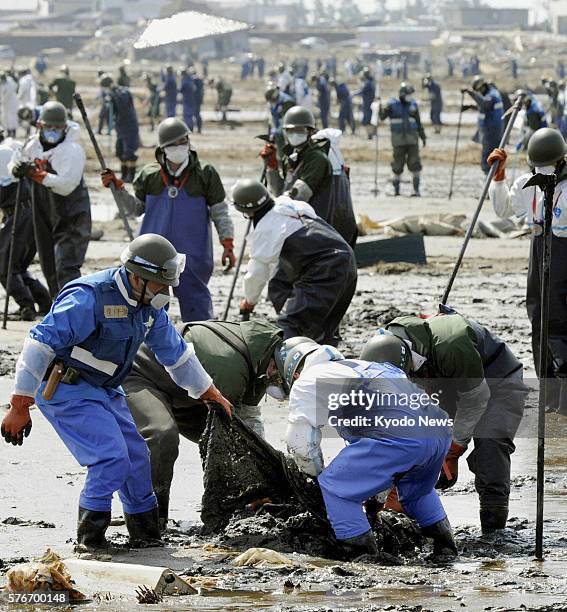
{"x": 27, "y": 89}
{"x": 9, "y": 104}
{"x": 546, "y": 153}
{"x": 386, "y": 444}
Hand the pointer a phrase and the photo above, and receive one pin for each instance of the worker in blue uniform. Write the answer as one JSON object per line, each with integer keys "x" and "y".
{"x": 126, "y": 125}
{"x": 169, "y": 81}
{"x": 344, "y": 100}
{"x": 367, "y": 92}
{"x": 188, "y": 93}
{"x": 321, "y": 83}
{"x": 392, "y": 440}
{"x": 490, "y": 117}
{"x": 199, "y": 98}
{"x": 179, "y": 197}
{"x": 72, "y": 366}
{"x": 436, "y": 101}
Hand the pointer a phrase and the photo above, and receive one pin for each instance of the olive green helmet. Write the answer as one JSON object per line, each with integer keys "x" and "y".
{"x": 105, "y": 80}
{"x": 154, "y": 258}
{"x": 249, "y": 196}
{"x": 546, "y": 147}
{"x": 406, "y": 89}
{"x": 298, "y": 116}
{"x": 171, "y": 130}
{"x": 53, "y": 113}
{"x": 384, "y": 346}
{"x": 477, "y": 83}
{"x": 294, "y": 358}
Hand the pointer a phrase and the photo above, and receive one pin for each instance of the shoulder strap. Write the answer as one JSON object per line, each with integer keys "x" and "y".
{"x": 233, "y": 341}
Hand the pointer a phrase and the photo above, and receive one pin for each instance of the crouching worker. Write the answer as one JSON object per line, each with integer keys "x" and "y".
{"x": 240, "y": 359}
{"x": 377, "y": 456}
{"x": 72, "y": 366}
{"x": 318, "y": 265}
{"x": 482, "y": 389}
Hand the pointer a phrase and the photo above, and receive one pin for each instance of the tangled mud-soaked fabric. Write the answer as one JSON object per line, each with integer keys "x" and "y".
{"x": 240, "y": 468}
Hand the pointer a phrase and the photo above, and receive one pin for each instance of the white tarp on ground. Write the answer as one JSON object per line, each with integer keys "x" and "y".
{"x": 187, "y": 25}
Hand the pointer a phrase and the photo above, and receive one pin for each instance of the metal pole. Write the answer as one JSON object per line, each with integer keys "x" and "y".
{"x": 548, "y": 184}
{"x": 456, "y": 144}
{"x": 103, "y": 166}
{"x": 491, "y": 173}
{"x": 11, "y": 255}
{"x": 375, "y": 191}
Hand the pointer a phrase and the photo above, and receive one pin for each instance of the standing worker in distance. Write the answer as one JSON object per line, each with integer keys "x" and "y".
{"x": 72, "y": 366}
{"x": 179, "y": 197}
{"x": 60, "y": 199}
{"x": 435, "y": 100}
{"x": 406, "y": 130}
{"x": 64, "y": 89}
{"x": 367, "y": 92}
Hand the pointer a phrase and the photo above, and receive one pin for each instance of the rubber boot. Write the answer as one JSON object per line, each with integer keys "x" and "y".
{"x": 143, "y": 529}
{"x": 163, "y": 508}
{"x": 444, "y": 547}
{"x": 27, "y": 313}
{"x": 91, "y": 529}
{"x": 396, "y": 184}
{"x": 364, "y": 544}
{"x": 416, "y": 193}
{"x": 40, "y": 296}
{"x": 124, "y": 172}
{"x": 493, "y": 518}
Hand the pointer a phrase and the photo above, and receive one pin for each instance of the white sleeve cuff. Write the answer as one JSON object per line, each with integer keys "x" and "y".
{"x": 31, "y": 367}
{"x": 189, "y": 374}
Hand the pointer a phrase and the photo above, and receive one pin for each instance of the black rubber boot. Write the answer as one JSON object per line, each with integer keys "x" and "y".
{"x": 396, "y": 184}
{"x": 40, "y": 295}
{"x": 444, "y": 547}
{"x": 91, "y": 529}
{"x": 27, "y": 313}
{"x": 493, "y": 518}
{"x": 143, "y": 529}
{"x": 124, "y": 170}
{"x": 364, "y": 544}
{"x": 163, "y": 508}
{"x": 416, "y": 193}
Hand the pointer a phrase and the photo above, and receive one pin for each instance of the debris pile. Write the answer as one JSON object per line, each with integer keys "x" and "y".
{"x": 240, "y": 468}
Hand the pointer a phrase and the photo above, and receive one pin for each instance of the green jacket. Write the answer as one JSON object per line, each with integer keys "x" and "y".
{"x": 222, "y": 359}
{"x": 64, "y": 88}
{"x": 203, "y": 181}
{"x": 312, "y": 166}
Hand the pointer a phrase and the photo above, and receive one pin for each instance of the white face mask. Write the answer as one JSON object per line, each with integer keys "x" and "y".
{"x": 276, "y": 393}
{"x": 545, "y": 170}
{"x": 157, "y": 300}
{"x": 296, "y": 139}
{"x": 177, "y": 154}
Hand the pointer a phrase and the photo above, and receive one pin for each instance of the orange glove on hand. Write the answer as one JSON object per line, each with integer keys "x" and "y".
{"x": 37, "y": 174}
{"x": 228, "y": 258}
{"x": 246, "y": 306}
{"x": 450, "y": 471}
{"x": 213, "y": 396}
{"x": 501, "y": 156}
{"x": 17, "y": 423}
{"x": 108, "y": 177}
{"x": 269, "y": 155}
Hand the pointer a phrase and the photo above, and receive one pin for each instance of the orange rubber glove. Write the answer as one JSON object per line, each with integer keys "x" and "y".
{"x": 213, "y": 396}
{"x": 17, "y": 423}
{"x": 450, "y": 471}
{"x": 501, "y": 156}
{"x": 37, "y": 174}
{"x": 228, "y": 258}
{"x": 269, "y": 155}
{"x": 246, "y": 306}
{"x": 108, "y": 177}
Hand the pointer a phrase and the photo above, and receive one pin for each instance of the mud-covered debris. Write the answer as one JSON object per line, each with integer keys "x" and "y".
{"x": 14, "y": 520}
{"x": 260, "y": 557}
{"x": 46, "y": 574}
{"x": 144, "y": 595}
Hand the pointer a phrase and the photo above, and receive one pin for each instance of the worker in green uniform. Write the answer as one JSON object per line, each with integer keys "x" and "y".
{"x": 480, "y": 384}
{"x": 241, "y": 358}
{"x": 224, "y": 95}
{"x": 63, "y": 87}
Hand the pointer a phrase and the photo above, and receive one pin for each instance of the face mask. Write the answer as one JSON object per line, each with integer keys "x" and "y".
{"x": 156, "y": 300}
{"x": 177, "y": 154}
{"x": 296, "y": 139}
{"x": 51, "y": 136}
{"x": 276, "y": 393}
{"x": 545, "y": 170}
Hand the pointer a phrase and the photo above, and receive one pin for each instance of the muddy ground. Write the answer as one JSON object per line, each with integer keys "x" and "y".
{"x": 41, "y": 482}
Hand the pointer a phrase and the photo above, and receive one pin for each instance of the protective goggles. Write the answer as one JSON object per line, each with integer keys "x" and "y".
{"x": 169, "y": 270}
